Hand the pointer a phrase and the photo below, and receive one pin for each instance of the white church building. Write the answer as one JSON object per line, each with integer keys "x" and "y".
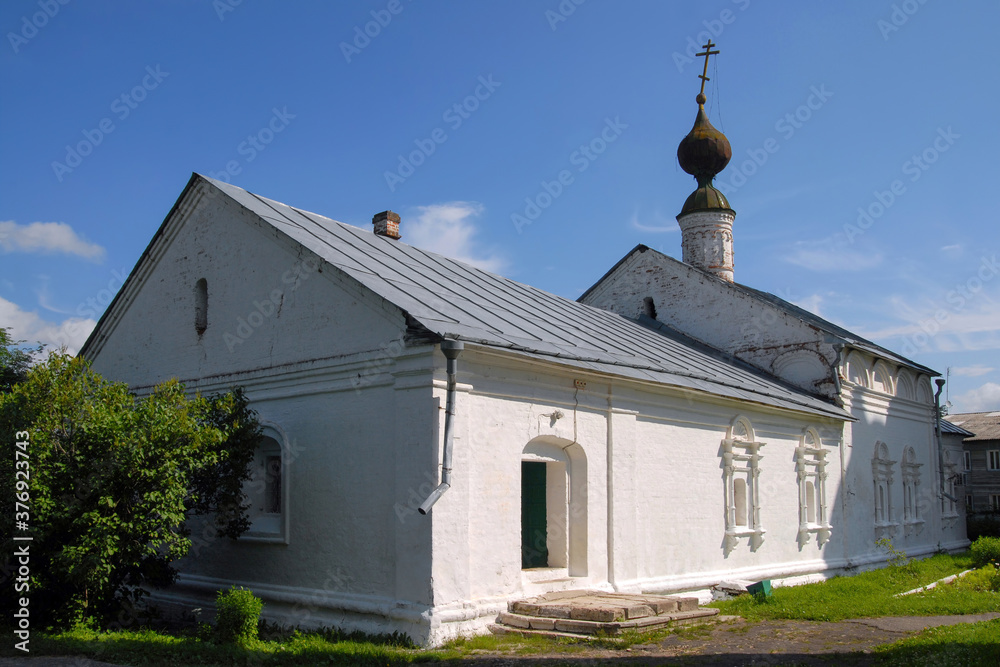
{"x": 442, "y": 440}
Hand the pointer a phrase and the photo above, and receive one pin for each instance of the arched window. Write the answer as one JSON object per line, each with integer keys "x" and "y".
{"x": 810, "y": 467}
{"x": 882, "y": 478}
{"x": 740, "y": 501}
{"x": 810, "y": 502}
{"x": 267, "y": 490}
{"x": 201, "y": 306}
{"x": 911, "y": 490}
{"x": 741, "y": 470}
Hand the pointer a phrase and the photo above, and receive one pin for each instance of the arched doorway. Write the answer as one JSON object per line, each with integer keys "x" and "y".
{"x": 554, "y": 506}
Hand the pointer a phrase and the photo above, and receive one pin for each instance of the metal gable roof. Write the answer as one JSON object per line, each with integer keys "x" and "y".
{"x": 454, "y": 300}
{"x": 948, "y": 427}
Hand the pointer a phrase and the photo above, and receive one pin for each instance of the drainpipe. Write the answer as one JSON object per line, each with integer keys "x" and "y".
{"x": 937, "y": 434}
{"x": 451, "y": 350}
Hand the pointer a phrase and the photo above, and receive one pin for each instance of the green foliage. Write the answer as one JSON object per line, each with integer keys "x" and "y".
{"x": 113, "y": 479}
{"x": 899, "y": 563}
{"x": 985, "y": 579}
{"x": 985, "y": 550}
{"x": 15, "y": 360}
{"x": 237, "y": 614}
{"x": 870, "y": 594}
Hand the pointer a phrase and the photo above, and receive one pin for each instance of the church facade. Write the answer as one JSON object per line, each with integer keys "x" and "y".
{"x": 442, "y": 440}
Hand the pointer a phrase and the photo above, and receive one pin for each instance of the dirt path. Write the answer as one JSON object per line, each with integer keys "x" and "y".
{"x": 738, "y": 642}
{"x": 734, "y": 642}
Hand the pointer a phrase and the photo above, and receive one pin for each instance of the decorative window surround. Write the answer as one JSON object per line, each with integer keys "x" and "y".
{"x": 740, "y": 460}
{"x": 882, "y": 475}
{"x": 810, "y": 468}
{"x": 949, "y": 508}
{"x": 912, "y": 521}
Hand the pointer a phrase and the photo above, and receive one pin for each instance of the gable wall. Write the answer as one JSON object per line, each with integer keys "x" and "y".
{"x": 709, "y": 310}
{"x": 269, "y": 303}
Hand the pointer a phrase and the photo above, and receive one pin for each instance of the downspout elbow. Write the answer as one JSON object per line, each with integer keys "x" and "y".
{"x": 451, "y": 349}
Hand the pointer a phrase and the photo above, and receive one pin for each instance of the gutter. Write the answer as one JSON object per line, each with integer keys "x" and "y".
{"x": 937, "y": 434}
{"x": 451, "y": 349}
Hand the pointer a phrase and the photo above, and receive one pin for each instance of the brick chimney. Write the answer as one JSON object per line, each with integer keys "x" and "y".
{"x": 386, "y": 224}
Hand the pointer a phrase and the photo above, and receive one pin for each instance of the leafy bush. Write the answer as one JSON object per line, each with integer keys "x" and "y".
{"x": 237, "y": 615}
{"x": 113, "y": 480}
{"x": 985, "y": 550}
{"x": 986, "y": 578}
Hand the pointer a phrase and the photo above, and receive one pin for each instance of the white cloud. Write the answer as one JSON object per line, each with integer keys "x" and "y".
{"x": 29, "y": 326}
{"x": 934, "y": 328}
{"x": 46, "y": 237}
{"x": 448, "y": 229}
{"x": 972, "y": 371}
{"x": 811, "y": 303}
{"x": 982, "y": 399}
{"x": 663, "y": 224}
{"x": 831, "y": 254}
{"x": 952, "y": 251}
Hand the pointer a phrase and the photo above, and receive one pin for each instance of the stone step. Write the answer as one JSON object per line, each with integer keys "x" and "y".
{"x": 521, "y": 623}
{"x": 593, "y": 606}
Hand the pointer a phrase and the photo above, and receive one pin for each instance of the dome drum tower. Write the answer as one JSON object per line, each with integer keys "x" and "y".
{"x": 706, "y": 220}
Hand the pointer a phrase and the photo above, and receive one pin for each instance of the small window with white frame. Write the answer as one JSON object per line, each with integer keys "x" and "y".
{"x": 810, "y": 467}
{"x": 741, "y": 470}
{"x": 967, "y": 460}
{"x": 995, "y": 501}
{"x": 267, "y": 490}
{"x": 993, "y": 459}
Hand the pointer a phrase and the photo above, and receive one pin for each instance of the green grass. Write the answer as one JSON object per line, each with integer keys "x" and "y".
{"x": 864, "y": 595}
{"x": 965, "y": 645}
{"x": 150, "y": 648}
{"x": 870, "y": 594}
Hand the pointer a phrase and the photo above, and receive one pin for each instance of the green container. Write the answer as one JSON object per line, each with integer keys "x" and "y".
{"x": 760, "y": 588}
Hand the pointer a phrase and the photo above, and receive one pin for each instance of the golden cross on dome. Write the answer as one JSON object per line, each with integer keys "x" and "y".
{"x": 708, "y": 52}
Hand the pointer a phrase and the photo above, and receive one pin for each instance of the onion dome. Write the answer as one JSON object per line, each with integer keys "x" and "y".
{"x": 703, "y": 153}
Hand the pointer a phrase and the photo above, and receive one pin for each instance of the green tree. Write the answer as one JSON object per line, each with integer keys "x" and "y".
{"x": 113, "y": 481}
{"x": 14, "y": 360}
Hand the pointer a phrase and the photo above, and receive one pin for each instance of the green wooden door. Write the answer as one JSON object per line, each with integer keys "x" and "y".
{"x": 534, "y": 552}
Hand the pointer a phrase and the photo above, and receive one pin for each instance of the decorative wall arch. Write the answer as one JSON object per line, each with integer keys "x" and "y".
{"x": 801, "y": 367}
{"x": 741, "y": 429}
{"x": 905, "y": 387}
{"x": 857, "y": 371}
{"x": 881, "y": 378}
{"x": 924, "y": 392}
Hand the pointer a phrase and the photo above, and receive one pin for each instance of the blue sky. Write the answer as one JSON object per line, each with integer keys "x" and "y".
{"x": 864, "y": 136}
